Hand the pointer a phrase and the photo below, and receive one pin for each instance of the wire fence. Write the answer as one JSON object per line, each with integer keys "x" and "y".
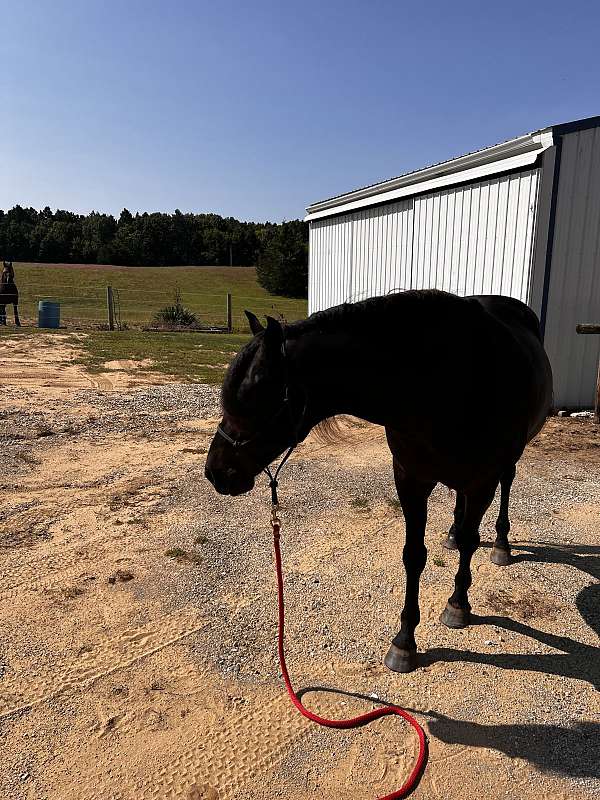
{"x": 88, "y": 307}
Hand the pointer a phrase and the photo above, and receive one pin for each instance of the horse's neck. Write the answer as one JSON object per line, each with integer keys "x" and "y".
{"x": 342, "y": 372}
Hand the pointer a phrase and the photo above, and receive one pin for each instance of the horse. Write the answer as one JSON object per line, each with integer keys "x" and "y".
{"x": 8, "y": 293}
{"x": 460, "y": 384}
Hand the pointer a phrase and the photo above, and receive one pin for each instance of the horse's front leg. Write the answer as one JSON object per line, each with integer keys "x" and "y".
{"x": 17, "y": 320}
{"x": 458, "y": 611}
{"x": 413, "y": 495}
{"x": 2, "y": 315}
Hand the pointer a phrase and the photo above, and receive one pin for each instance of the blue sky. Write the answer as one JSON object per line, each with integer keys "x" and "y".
{"x": 254, "y": 109}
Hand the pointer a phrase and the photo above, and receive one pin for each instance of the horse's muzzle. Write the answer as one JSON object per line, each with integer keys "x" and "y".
{"x": 228, "y": 481}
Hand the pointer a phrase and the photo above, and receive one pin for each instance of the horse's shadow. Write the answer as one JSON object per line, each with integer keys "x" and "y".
{"x": 577, "y": 659}
{"x": 570, "y": 750}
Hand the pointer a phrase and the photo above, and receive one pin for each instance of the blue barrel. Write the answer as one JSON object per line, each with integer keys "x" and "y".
{"x": 48, "y": 314}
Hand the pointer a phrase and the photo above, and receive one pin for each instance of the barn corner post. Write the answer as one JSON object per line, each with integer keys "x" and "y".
{"x": 583, "y": 328}
{"x": 110, "y": 307}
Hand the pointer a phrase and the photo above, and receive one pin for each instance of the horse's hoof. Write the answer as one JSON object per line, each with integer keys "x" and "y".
{"x": 500, "y": 557}
{"x": 400, "y": 660}
{"x": 455, "y": 617}
{"x": 450, "y": 542}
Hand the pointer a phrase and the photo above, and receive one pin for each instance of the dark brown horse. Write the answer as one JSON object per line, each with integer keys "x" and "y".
{"x": 460, "y": 385}
{"x": 8, "y": 292}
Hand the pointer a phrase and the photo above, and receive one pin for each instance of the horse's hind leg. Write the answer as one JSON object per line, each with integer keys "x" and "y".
{"x": 413, "y": 495}
{"x": 2, "y": 315}
{"x": 500, "y": 554}
{"x": 458, "y": 611}
{"x": 459, "y": 512}
{"x": 17, "y": 320}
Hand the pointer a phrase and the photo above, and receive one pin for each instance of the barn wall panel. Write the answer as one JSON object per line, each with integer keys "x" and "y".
{"x": 472, "y": 239}
{"x": 574, "y": 294}
{"x": 477, "y": 239}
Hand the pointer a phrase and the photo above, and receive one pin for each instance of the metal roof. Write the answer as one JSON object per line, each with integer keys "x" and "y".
{"x": 510, "y": 154}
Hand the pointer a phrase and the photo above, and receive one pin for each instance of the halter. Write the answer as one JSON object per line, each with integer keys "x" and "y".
{"x": 237, "y": 444}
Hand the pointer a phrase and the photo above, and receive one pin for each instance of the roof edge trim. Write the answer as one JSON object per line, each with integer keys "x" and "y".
{"x": 465, "y": 176}
{"x": 509, "y": 155}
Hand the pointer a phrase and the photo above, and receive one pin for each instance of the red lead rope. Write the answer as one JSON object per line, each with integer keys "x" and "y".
{"x": 354, "y": 722}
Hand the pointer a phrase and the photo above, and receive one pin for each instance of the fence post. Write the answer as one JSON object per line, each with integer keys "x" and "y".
{"x": 229, "y": 317}
{"x": 110, "y": 308}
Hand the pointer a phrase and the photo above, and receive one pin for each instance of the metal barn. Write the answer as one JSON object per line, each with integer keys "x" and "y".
{"x": 521, "y": 218}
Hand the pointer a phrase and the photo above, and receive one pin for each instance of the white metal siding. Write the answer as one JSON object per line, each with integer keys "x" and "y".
{"x": 574, "y": 294}
{"x": 477, "y": 239}
{"x": 359, "y": 255}
{"x": 471, "y": 239}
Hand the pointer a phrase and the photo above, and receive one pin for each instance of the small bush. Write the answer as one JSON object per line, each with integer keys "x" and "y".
{"x": 176, "y": 315}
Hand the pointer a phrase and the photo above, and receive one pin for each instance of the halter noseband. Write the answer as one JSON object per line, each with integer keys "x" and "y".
{"x": 237, "y": 444}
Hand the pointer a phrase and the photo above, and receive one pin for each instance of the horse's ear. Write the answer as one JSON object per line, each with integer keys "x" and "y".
{"x": 274, "y": 330}
{"x": 255, "y": 325}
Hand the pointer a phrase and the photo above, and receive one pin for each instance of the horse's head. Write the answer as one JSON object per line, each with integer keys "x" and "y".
{"x": 262, "y": 413}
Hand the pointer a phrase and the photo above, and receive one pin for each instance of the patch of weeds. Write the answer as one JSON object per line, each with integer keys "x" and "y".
{"x": 202, "y": 539}
{"x": 360, "y": 502}
{"x": 395, "y": 504}
{"x": 181, "y": 555}
{"x": 439, "y": 562}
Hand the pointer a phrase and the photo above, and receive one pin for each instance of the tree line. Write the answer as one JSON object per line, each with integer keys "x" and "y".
{"x": 278, "y": 250}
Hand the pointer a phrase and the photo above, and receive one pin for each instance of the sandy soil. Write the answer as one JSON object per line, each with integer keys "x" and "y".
{"x": 137, "y": 614}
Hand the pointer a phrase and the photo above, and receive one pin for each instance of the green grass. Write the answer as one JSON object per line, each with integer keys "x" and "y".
{"x": 188, "y": 357}
{"x": 142, "y": 291}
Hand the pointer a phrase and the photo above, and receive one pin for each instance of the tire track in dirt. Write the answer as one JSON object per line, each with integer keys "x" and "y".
{"x": 49, "y": 568}
{"x": 22, "y": 691}
{"x": 221, "y": 761}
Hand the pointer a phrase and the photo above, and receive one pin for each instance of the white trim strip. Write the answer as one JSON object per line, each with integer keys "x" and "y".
{"x": 418, "y": 187}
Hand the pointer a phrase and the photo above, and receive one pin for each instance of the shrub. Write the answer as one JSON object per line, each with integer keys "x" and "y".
{"x": 176, "y": 315}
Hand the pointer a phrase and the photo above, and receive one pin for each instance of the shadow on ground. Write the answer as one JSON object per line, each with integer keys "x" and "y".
{"x": 569, "y": 750}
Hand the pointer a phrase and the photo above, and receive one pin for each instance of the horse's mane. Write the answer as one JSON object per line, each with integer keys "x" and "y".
{"x": 366, "y": 312}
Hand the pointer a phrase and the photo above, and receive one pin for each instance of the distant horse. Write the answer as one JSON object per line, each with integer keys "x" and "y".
{"x": 8, "y": 292}
{"x": 460, "y": 385}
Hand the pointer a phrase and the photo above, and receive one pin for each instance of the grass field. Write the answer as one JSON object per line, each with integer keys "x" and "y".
{"x": 142, "y": 291}
{"x": 187, "y": 357}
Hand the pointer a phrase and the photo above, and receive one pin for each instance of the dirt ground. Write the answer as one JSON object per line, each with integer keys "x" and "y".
{"x": 137, "y": 613}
